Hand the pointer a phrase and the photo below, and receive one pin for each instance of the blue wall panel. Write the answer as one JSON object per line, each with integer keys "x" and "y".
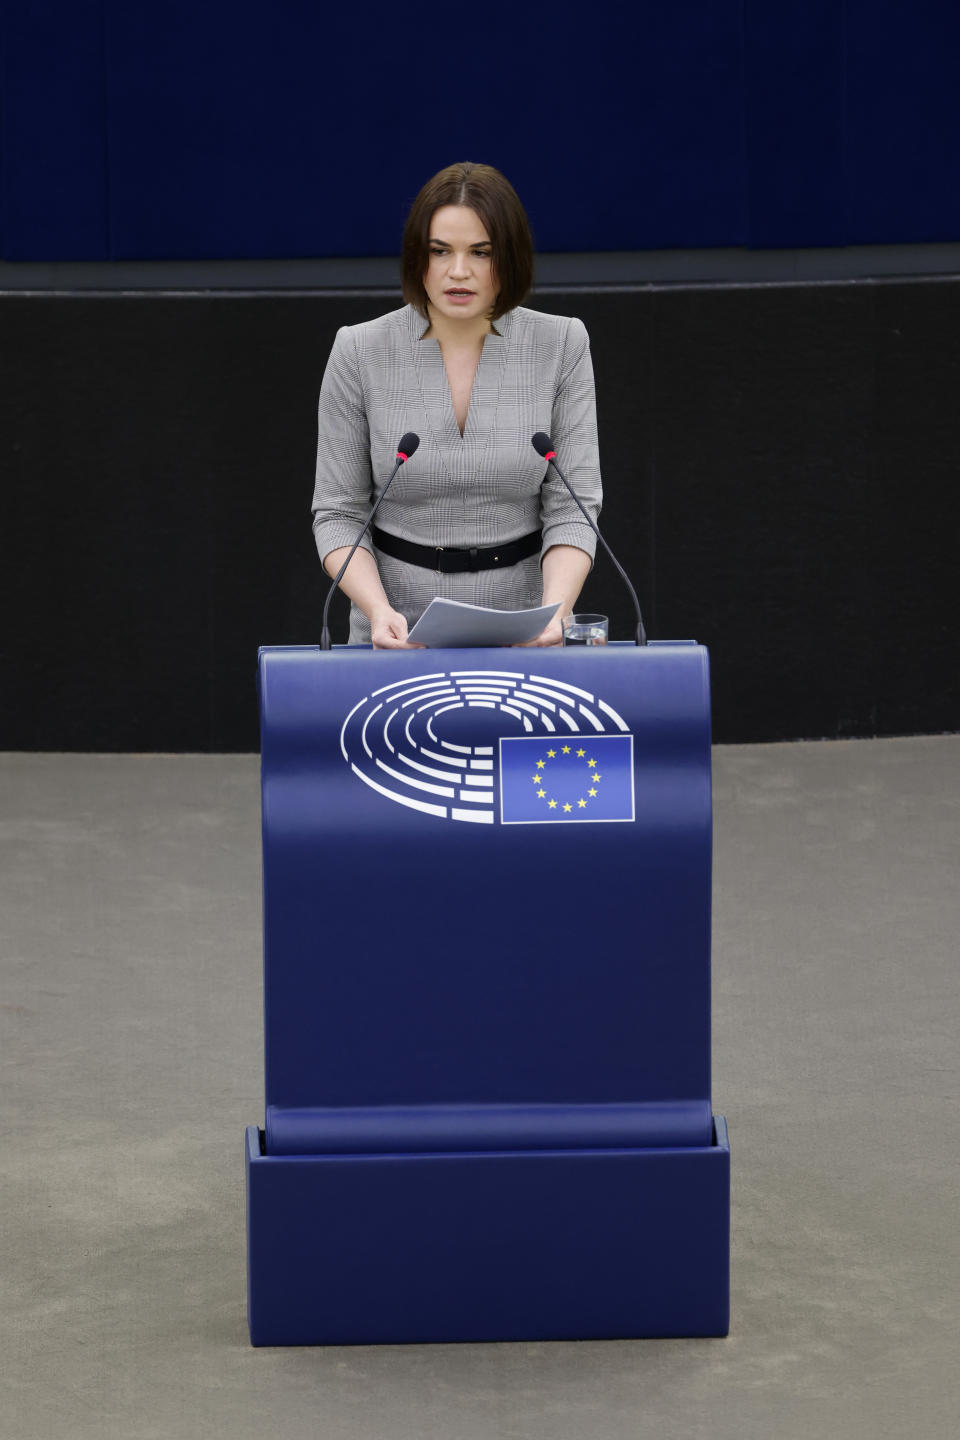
{"x": 225, "y": 130}
{"x": 53, "y": 130}
{"x": 240, "y": 130}
{"x": 793, "y": 60}
{"x": 903, "y": 106}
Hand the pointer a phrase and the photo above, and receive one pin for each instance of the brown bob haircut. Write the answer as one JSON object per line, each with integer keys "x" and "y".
{"x": 490, "y": 194}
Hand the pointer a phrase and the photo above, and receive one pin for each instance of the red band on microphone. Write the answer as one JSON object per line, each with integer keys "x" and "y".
{"x": 401, "y": 456}
{"x": 550, "y": 455}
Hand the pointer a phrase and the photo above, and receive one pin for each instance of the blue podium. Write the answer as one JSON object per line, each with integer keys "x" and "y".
{"x": 487, "y": 999}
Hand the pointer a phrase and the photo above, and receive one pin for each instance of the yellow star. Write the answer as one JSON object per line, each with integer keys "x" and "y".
{"x": 591, "y": 762}
{"x": 540, "y": 764}
{"x": 568, "y": 807}
{"x": 551, "y": 754}
{"x": 541, "y": 794}
{"x": 552, "y": 804}
{"x": 566, "y": 750}
{"x": 596, "y": 776}
{"x": 581, "y": 753}
{"x": 582, "y": 804}
{"x": 536, "y": 779}
{"x": 591, "y": 792}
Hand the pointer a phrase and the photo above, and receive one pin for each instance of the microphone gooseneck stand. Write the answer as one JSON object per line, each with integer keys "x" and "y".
{"x": 407, "y": 447}
{"x": 544, "y": 447}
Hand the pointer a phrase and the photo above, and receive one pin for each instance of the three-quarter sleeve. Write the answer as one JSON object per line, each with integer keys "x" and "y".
{"x": 574, "y": 436}
{"x": 342, "y": 492}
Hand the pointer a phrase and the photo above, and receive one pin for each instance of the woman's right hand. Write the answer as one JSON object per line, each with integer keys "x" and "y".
{"x": 388, "y": 631}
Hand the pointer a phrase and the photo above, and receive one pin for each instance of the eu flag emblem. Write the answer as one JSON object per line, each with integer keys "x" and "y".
{"x": 554, "y": 779}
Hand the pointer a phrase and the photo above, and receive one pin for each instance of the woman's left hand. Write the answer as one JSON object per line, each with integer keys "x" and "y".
{"x": 551, "y": 635}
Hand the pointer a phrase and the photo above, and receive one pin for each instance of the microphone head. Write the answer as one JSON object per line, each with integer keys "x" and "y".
{"x": 543, "y": 445}
{"x": 408, "y": 445}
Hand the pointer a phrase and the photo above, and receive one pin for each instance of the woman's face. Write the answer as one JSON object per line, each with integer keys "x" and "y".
{"x": 460, "y": 282}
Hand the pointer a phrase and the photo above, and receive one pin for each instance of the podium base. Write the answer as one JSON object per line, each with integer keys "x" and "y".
{"x": 520, "y": 1245}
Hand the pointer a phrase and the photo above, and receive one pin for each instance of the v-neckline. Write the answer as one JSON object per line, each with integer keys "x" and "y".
{"x": 459, "y": 450}
{"x": 473, "y": 383}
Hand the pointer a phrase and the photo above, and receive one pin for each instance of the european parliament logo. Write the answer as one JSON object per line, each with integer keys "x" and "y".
{"x": 493, "y": 746}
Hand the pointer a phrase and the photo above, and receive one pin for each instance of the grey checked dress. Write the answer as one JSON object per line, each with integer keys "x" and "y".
{"x": 483, "y": 488}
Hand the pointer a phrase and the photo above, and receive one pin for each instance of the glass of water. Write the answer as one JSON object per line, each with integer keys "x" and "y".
{"x": 585, "y": 630}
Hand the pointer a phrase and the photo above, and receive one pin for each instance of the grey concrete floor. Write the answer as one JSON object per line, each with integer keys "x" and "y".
{"x": 132, "y": 1060}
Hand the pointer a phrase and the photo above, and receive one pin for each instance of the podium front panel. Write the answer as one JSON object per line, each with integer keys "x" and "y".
{"x": 487, "y": 887}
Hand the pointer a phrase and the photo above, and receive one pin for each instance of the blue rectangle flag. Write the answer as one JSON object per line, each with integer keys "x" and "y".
{"x": 553, "y": 779}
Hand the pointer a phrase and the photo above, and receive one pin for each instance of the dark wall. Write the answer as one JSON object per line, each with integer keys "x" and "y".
{"x": 235, "y": 128}
{"x": 780, "y": 468}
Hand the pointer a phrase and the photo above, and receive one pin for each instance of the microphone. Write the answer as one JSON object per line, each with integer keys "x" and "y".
{"x": 544, "y": 446}
{"x": 407, "y": 447}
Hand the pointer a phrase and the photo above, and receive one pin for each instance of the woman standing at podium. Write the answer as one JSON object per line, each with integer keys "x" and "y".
{"x": 474, "y": 517}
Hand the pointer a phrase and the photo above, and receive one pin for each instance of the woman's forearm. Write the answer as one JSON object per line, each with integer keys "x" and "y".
{"x": 361, "y": 580}
{"x": 564, "y": 569}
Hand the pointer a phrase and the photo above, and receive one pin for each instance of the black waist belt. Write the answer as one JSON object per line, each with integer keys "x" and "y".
{"x": 447, "y": 561}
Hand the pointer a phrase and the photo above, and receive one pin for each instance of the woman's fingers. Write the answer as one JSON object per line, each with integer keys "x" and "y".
{"x": 552, "y": 634}
{"x": 389, "y": 632}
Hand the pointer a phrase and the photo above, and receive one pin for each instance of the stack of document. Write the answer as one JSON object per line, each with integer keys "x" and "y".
{"x": 453, "y": 625}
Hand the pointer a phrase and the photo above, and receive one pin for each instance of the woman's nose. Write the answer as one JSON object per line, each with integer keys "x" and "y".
{"x": 459, "y": 265}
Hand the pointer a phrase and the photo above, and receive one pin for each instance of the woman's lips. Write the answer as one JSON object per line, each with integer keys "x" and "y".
{"x": 459, "y": 297}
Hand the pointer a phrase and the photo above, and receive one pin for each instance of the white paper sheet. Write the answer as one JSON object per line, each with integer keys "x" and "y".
{"x": 453, "y": 625}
